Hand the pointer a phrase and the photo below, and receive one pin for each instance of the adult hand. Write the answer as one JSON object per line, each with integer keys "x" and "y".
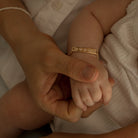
{"x": 42, "y": 62}
{"x": 40, "y": 58}
{"x": 58, "y": 101}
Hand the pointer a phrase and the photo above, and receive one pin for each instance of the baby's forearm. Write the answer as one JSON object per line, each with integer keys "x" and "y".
{"x": 85, "y": 31}
{"x": 95, "y": 21}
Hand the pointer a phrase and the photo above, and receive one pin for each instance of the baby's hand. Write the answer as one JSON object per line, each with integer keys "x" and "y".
{"x": 86, "y": 94}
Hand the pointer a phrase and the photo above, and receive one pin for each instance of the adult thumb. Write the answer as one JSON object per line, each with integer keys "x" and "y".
{"x": 76, "y": 69}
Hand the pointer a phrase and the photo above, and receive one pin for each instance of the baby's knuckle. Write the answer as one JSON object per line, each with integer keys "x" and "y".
{"x": 86, "y": 99}
{"x": 97, "y": 97}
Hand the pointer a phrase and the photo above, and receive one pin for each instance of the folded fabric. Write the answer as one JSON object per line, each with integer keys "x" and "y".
{"x": 49, "y": 14}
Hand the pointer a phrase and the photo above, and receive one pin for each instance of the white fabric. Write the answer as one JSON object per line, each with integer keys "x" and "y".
{"x": 50, "y": 14}
{"x": 120, "y": 53}
{"x": 10, "y": 70}
{"x": 121, "y": 48}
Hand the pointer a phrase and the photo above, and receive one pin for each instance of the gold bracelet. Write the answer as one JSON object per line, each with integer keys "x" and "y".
{"x": 84, "y": 50}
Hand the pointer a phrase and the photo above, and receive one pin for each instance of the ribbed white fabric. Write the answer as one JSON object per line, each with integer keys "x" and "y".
{"x": 120, "y": 51}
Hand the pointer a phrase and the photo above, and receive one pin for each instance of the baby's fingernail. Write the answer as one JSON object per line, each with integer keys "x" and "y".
{"x": 90, "y": 73}
{"x": 91, "y": 104}
{"x": 84, "y": 108}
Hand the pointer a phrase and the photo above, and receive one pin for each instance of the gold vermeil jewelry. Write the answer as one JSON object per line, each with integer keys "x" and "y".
{"x": 84, "y": 50}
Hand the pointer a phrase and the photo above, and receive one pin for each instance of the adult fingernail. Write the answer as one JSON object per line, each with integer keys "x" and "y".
{"x": 90, "y": 73}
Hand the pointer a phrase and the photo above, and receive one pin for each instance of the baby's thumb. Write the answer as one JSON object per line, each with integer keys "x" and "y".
{"x": 77, "y": 69}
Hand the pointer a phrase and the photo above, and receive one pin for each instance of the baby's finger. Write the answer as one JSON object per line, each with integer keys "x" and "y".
{"x": 96, "y": 93}
{"x": 86, "y": 97}
{"x": 107, "y": 92}
{"x": 77, "y": 100}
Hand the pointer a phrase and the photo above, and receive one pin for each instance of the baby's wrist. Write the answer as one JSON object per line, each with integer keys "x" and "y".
{"x": 89, "y": 55}
{"x": 85, "y": 50}
{"x": 92, "y": 59}
{"x": 84, "y": 53}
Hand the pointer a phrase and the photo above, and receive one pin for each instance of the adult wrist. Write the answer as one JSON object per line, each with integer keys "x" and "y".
{"x": 16, "y": 27}
{"x": 19, "y": 30}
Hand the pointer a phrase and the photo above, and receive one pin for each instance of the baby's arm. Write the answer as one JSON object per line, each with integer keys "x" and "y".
{"x": 95, "y": 21}
{"x": 88, "y": 30}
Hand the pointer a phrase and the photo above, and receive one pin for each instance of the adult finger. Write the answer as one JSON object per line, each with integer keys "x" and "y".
{"x": 79, "y": 70}
{"x": 91, "y": 109}
{"x": 75, "y": 68}
{"x": 54, "y": 103}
